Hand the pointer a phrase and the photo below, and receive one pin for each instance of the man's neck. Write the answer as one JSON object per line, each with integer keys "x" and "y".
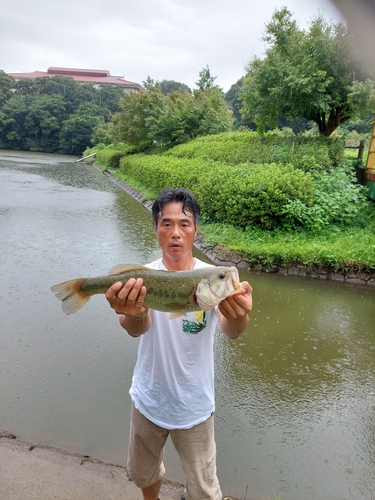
{"x": 183, "y": 264}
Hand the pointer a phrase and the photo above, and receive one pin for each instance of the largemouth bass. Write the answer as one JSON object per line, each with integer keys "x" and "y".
{"x": 176, "y": 292}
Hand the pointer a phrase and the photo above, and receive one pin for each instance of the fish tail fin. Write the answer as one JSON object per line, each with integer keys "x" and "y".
{"x": 71, "y": 295}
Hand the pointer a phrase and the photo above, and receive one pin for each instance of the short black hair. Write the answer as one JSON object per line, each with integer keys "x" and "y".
{"x": 179, "y": 195}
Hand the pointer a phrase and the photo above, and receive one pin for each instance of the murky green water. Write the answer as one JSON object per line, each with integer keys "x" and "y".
{"x": 295, "y": 394}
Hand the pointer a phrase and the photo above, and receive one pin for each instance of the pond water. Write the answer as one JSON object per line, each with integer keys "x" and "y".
{"x": 295, "y": 393}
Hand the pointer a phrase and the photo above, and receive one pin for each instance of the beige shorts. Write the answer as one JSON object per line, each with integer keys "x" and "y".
{"x": 196, "y": 448}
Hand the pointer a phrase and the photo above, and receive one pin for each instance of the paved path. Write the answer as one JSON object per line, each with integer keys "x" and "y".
{"x": 32, "y": 472}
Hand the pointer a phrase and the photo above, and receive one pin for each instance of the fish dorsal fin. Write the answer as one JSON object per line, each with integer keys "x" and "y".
{"x": 123, "y": 268}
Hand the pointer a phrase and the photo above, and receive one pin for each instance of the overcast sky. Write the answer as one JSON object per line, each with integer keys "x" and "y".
{"x": 163, "y": 39}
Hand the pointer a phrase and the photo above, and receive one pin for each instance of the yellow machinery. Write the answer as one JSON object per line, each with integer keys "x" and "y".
{"x": 369, "y": 175}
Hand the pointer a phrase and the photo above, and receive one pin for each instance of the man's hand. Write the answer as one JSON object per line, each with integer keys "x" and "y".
{"x": 128, "y": 299}
{"x": 233, "y": 312}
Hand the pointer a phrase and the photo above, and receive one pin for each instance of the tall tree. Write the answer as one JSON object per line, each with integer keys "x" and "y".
{"x": 206, "y": 80}
{"x": 311, "y": 74}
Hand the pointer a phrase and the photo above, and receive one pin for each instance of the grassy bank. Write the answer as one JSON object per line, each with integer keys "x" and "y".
{"x": 294, "y": 203}
{"x": 335, "y": 248}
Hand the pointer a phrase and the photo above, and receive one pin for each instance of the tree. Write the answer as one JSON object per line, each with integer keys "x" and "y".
{"x": 32, "y": 112}
{"x": 7, "y": 83}
{"x": 42, "y": 124}
{"x": 78, "y": 129}
{"x": 109, "y": 97}
{"x": 214, "y": 115}
{"x": 206, "y": 80}
{"x": 129, "y": 125}
{"x": 310, "y": 74}
{"x": 152, "y": 117}
{"x": 233, "y": 98}
{"x": 12, "y": 119}
{"x": 168, "y": 86}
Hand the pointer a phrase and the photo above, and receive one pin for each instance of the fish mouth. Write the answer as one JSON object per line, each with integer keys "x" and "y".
{"x": 232, "y": 284}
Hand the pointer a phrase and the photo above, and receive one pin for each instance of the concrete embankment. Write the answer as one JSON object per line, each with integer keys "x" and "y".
{"x": 223, "y": 257}
{"x": 29, "y": 471}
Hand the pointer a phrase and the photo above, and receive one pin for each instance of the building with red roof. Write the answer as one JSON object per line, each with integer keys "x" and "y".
{"x": 96, "y": 76}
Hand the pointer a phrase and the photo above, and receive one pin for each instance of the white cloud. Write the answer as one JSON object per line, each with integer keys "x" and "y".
{"x": 164, "y": 39}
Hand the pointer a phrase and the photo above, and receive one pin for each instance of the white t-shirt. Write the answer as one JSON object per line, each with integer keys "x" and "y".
{"x": 173, "y": 380}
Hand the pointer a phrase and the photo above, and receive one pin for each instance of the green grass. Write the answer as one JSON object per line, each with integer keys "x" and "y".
{"x": 351, "y": 153}
{"x": 337, "y": 249}
{"x": 147, "y": 193}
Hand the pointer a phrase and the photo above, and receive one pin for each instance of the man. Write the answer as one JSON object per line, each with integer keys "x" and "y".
{"x": 173, "y": 382}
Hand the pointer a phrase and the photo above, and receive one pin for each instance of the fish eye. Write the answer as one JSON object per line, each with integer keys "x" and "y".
{"x": 221, "y": 276}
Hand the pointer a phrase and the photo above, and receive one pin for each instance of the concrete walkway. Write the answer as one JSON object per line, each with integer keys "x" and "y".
{"x": 33, "y": 472}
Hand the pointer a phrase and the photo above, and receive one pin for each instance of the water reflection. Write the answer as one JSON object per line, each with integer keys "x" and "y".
{"x": 295, "y": 394}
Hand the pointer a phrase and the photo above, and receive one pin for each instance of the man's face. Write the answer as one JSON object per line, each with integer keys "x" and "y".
{"x": 175, "y": 231}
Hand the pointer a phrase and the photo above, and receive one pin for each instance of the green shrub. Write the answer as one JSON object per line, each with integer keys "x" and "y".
{"x": 253, "y": 194}
{"x": 109, "y": 158}
{"x": 236, "y": 194}
{"x": 338, "y": 200}
{"x": 306, "y": 153}
{"x": 158, "y": 172}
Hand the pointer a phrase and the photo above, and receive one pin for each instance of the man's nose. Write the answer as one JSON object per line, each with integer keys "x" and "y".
{"x": 176, "y": 232}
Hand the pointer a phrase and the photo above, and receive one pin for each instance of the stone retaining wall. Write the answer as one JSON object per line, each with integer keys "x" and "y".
{"x": 224, "y": 257}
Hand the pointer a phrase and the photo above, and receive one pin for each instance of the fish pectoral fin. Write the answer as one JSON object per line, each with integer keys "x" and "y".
{"x": 176, "y": 310}
{"x": 123, "y": 268}
{"x": 175, "y": 315}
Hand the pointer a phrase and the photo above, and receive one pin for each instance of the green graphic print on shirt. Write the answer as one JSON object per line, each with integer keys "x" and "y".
{"x": 194, "y": 323}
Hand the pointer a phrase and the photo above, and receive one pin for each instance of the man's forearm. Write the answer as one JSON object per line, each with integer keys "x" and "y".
{"x": 136, "y": 325}
{"x": 232, "y": 328}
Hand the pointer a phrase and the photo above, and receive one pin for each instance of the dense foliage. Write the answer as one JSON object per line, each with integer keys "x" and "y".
{"x": 242, "y": 195}
{"x": 312, "y": 74}
{"x": 168, "y": 86}
{"x": 156, "y": 117}
{"x": 53, "y": 114}
{"x": 269, "y": 183}
{"x": 306, "y": 153}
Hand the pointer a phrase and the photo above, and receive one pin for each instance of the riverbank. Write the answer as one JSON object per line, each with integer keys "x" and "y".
{"x": 43, "y": 472}
{"x": 223, "y": 256}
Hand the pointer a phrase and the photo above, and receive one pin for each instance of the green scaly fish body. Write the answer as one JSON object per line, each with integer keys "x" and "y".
{"x": 168, "y": 291}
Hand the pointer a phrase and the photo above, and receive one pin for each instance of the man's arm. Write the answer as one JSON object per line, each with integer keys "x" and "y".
{"x": 233, "y": 312}
{"x": 128, "y": 301}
